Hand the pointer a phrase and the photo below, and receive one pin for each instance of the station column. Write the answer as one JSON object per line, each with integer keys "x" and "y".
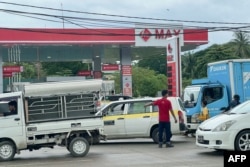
{"x": 126, "y": 70}
{"x": 97, "y": 54}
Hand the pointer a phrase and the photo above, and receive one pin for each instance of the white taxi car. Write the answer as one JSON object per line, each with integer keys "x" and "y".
{"x": 228, "y": 131}
{"x": 130, "y": 119}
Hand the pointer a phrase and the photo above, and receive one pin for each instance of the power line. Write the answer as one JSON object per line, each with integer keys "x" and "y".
{"x": 118, "y": 21}
{"x": 130, "y": 17}
{"x": 72, "y": 20}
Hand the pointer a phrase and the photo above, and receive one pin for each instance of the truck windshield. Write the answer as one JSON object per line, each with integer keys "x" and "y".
{"x": 190, "y": 96}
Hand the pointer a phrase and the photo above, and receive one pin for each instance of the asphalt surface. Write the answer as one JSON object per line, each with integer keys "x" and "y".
{"x": 124, "y": 153}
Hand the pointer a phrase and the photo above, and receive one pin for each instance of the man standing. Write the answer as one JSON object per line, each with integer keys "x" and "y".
{"x": 164, "y": 106}
{"x": 233, "y": 103}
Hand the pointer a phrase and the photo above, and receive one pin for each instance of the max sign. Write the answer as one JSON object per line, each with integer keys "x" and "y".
{"x": 150, "y": 36}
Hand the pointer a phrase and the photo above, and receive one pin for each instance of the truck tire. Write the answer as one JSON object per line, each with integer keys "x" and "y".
{"x": 155, "y": 136}
{"x": 242, "y": 141}
{"x": 79, "y": 147}
{"x": 7, "y": 151}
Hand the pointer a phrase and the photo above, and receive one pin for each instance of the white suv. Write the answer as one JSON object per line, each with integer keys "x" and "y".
{"x": 130, "y": 119}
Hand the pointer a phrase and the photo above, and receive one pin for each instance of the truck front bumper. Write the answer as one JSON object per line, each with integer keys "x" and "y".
{"x": 191, "y": 127}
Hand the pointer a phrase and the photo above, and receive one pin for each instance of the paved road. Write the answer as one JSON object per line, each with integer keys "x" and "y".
{"x": 124, "y": 153}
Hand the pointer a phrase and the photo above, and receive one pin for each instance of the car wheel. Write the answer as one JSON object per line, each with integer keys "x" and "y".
{"x": 242, "y": 142}
{"x": 155, "y": 136}
{"x": 79, "y": 147}
{"x": 7, "y": 151}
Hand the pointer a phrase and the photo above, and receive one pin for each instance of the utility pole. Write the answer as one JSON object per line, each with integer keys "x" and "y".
{"x": 62, "y": 15}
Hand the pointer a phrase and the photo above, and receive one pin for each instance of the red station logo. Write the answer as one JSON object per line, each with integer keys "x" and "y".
{"x": 159, "y": 33}
{"x": 145, "y": 34}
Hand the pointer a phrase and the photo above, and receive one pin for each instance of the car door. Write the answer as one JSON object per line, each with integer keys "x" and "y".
{"x": 11, "y": 125}
{"x": 114, "y": 125}
{"x": 138, "y": 119}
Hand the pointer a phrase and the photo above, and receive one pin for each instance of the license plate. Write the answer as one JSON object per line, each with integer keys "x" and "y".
{"x": 200, "y": 139}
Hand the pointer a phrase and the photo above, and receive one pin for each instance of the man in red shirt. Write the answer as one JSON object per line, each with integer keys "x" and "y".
{"x": 164, "y": 106}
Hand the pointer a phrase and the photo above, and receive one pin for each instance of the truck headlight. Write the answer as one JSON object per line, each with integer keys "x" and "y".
{"x": 224, "y": 126}
{"x": 194, "y": 118}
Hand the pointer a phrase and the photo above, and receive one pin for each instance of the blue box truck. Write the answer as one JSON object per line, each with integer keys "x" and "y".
{"x": 224, "y": 79}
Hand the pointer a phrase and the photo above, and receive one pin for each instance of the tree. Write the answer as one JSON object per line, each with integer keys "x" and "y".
{"x": 241, "y": 44}
{"x": 63, "y": 68}
{"x": 188, "y": 64}
{"x": 29, "y": 70}
{"x": 145, "y": 82}
{"x": 154, "y": 62}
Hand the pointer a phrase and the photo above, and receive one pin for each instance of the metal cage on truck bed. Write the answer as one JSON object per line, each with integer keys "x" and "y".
{"x": 60, "y": 107}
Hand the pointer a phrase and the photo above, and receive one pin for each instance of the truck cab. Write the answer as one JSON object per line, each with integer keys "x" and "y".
{"x": 13, "y": 126}
{"x": 224, "y": 79}
{"x": 215, "y": 94}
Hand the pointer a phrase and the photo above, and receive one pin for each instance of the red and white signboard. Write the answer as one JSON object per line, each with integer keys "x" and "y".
{"x": 157, "y": 36}
{"x": 110, "y": 67}
{"x": 97, "y": 74}
{"x": 84, "y": 73}
{"x": 174, "y": 67}
{"x": 127, "y": 70}
{"x": 8, "y": 74}
{"x": 10, "y": 69}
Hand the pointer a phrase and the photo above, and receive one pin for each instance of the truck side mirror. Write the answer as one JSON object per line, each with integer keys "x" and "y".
{"x": 223, "y": 108}
{"x": 191, "y": 97}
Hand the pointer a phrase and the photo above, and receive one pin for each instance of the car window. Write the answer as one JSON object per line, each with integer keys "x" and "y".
{"x": 181, "y": 104}
{"x": 115, "y": 109}
{"x": 155, "y": 109}
{"x": 137, "y": 108}
{"x": 115, "y": 98}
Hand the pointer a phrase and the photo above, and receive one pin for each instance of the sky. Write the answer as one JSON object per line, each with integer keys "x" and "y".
{"x": 223, "y": 14}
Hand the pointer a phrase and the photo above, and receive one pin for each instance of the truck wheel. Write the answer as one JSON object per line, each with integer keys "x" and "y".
{"x": 242, "y": 142}
{"x": 79, "y": 147}
{"x": 7, "y": 151}
{"x": 155, "y": 136}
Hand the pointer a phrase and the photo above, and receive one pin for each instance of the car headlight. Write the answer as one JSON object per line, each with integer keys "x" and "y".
{"x": 224, "y": 126}
{"x": 194, "y": 118}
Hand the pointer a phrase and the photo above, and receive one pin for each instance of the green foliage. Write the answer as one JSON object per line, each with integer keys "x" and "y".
{"x": 145, "y": 82}
{"x": 29, "y": 70}
{"x": 155, "y": 62}
{"x": 241, "y": 44}
{"x": 195, "y": 65}
{"x": 63, "y": 68}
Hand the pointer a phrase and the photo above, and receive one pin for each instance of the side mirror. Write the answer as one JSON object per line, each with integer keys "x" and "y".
{"x": 191, "y": 97}
{"x": 223, "y": 108}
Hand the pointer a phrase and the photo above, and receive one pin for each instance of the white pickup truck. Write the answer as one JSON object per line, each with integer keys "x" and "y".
{"x": 49, "y": 114}
{"x": 130, "y": 119}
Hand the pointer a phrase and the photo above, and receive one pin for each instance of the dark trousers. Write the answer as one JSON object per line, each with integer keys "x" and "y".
{"x": 167, "y": 127}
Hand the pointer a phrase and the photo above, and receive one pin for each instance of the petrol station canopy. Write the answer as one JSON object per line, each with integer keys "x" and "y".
{"x": 61, "y": 44}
